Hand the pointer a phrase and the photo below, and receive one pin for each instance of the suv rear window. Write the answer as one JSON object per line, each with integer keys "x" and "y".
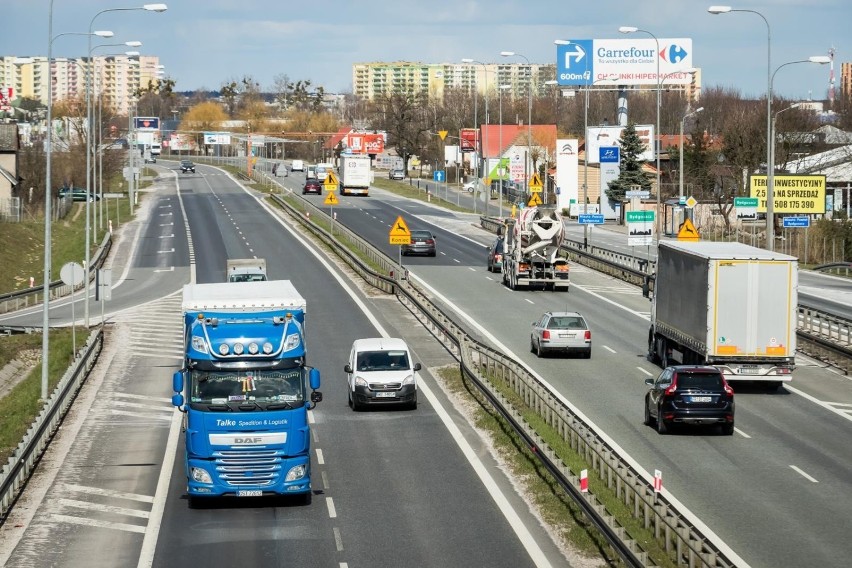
{"x": 708, "y": 381}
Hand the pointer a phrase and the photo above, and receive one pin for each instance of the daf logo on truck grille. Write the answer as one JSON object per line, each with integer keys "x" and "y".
{"x": 248, "y": 439}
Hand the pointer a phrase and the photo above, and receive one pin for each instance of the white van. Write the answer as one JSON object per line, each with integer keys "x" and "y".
{"x": 380, "y": 371}
{"x": 297, "y": 166}
{"x": 322, "y": 171}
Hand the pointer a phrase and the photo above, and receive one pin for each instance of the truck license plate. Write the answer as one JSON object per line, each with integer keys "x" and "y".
{"x": 249, "y": 493}
{"x": 748, "y": 370}
{"x": 389, "y": 394}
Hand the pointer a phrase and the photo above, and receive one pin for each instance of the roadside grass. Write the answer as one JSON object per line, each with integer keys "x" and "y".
{"x": 20, "y": 407}
{"x": 556, "y": 507}
{"x": 23, "y": 257}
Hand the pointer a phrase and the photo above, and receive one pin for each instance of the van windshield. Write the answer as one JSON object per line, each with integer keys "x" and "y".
{"x": 382, "y": 361}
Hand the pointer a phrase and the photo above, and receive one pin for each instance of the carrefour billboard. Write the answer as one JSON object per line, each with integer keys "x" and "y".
{"x": 631, "y": 61}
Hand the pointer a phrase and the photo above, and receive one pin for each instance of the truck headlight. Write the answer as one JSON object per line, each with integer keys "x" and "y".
{"x": 409, "y": 380}
{"x": 200, "y": 475}
{"x": 360, "y": 382}
{"x": 296, "y": 472}
{"x": 292, "y": 341}
{"x": 199, "y": 344}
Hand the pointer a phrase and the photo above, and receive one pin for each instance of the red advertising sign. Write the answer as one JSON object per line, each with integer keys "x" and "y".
{"x": 469, "y": 139}
{"x": 6, "y": 96}
{"x": 365, "y": 143}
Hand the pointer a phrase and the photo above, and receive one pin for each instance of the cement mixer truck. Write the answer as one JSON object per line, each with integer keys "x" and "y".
{"x": 531, "y": 247}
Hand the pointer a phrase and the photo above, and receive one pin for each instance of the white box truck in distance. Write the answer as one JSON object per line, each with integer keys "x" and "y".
{"x": 355, "y": 175}
{"x": 729, "y": 305}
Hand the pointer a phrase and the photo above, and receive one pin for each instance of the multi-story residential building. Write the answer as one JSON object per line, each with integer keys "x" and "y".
{"x": 116, "y": 77}
{"x": 846, "y": 80}
{"x": 370, "y": 80}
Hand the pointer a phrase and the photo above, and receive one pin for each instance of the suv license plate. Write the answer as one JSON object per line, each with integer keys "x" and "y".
{"x": 700, "y": 399}
{"x": 249, "y": 493}
{"x": 389, "y": 394}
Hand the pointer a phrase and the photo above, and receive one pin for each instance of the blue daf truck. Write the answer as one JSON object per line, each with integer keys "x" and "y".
{"x": 245, "y": 390}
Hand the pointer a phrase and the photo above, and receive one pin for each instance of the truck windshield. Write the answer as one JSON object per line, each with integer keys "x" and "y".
{"x": 262, "y": 387}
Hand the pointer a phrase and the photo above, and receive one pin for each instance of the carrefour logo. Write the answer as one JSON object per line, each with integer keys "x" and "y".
{"x": 673, "y": 53}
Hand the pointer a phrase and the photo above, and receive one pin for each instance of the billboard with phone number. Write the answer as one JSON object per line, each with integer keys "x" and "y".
{"x": 791, "y": 194}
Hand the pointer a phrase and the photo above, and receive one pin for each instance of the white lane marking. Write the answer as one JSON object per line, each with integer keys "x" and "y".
{"x": 320, "y": 458}
{"x": 803, "y": 474}
{"x": 472, "y": 269}
{"x": 332, "y": 512}
{"x": 455, "y": 260}
{"x": 489, "y": 278}
{"x": 99, "y": 524}
{"x": 170, "y": 269}
{"x": 167, "y": 236}
{"x": 840, "y": 404}
{"x": 610, "y": 349}
{"x": 821, "y": 403}
{"x": 649, "y": 373}
{"x": 166, "y": 251}
{"x": 324, "y": 476}
{"x": 100, "y": 507}
{"x": 741, "y": 433}
{"x": 71, "y": 488}
{"x": 311, "y": 419}
{"x": 530, "y": 301}
{"x": 152, "y": 531}
{"x": 338, "y": 540}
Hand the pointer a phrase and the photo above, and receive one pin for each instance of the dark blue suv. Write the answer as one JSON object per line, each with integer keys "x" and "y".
{"x": 689, "y": 394}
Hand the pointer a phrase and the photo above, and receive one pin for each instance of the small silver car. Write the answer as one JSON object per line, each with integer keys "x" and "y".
{"x": 422, "y": 242}
{"x": 566, "y": 332}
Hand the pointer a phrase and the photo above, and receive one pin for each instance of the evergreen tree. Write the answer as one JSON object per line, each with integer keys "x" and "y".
{"x": 630, "y": 169}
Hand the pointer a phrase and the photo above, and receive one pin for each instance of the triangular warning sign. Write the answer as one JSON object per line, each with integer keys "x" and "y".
{"x": 688, "y": 231}
{"x": 399, "y": 228}
{"x": 330, "y": 180}
{"x": 331, "y": 199}
{"x": 534, "y": 200}
{"x": 535, "y": 181}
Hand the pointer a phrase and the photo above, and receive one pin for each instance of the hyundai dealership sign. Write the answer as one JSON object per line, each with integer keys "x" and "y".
{"x": 631, "y": 61}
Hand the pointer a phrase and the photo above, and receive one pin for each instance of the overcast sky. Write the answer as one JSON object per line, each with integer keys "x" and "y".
{"x": 204, "y": 43}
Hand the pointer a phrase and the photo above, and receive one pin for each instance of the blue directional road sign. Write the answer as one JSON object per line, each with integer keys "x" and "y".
{"x": 797, "y": 222}
{"x": 574, "y": 64}
{"x": 590, "y": 219}
{"x": 438, "y": 175}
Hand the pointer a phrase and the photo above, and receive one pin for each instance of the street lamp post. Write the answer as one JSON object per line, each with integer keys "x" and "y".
{"x": 770, "y": 164}
{"x": 484, "y": 155}
{"x": 628, "y": 30}
{"x": 147, "y": 7}
{"x": 500, "y": 90}
{"x": 90, "y": 121}
{"x": 48, "y": 197}
{"x": 529, "y": 114}
{"x": 680, "y": 165}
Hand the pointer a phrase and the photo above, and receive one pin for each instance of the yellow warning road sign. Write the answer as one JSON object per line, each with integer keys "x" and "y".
{"x": 534, "y": 200}
{"x": 331, "y": 199}
{"x": 442, "y": 134}
{"x": 399, "y": 233}
{"x": 688, "y": 232}
{"x": 535, "y": 184}
{"x": 330, "y": 181}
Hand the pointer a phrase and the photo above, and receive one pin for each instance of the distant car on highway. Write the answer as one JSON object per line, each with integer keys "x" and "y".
{"x": 565, "y": 332}
{"x": 470, "y": 186}
{"x": 312, "y": 185}
{"x": 422, "y": 242}
{"x": 689, "y": 394}
{"x": 187, "y": 166}
{"x": 397, "y": 174}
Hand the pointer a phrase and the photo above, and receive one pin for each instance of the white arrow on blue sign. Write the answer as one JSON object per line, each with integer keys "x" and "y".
{"x": 438, "y": 175}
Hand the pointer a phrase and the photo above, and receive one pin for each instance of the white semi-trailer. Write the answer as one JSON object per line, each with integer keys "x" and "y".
{"x": 729, "y": 305}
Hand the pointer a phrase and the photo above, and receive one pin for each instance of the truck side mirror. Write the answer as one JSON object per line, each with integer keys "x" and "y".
{"x": 417, "y": 366}
{"x": 177, "y": 400}
{"x": 316, "y": 396}
{"x": 314, "y": 378}
{"x": 177, "y": 382}
{"x": 347, "y": 368}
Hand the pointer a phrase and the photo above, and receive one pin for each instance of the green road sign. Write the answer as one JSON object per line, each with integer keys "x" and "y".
{"x": 640, "y": 216}
{"x": 745, "y": 201}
